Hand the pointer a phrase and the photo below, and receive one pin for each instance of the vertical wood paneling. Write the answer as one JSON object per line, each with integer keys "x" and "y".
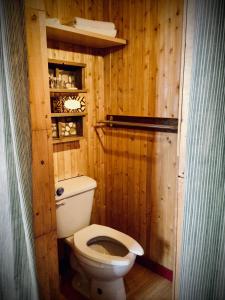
{"x": 163, "y": 188}
{"x": 47, "y": 257}
{"x": 143, "y": 79}
{"x": 44, "y": 217}
{"x": 135, "y": 170}
{"x": 86, "y": 156}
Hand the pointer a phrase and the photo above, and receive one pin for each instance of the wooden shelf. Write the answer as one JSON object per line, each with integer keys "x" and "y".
{"x": 61, "y": 115}
{"x": 67, "y": 91}
{"x": 76, "y": 36}
{"x": 65, "y": 63}
{"x": 66, "y": 139}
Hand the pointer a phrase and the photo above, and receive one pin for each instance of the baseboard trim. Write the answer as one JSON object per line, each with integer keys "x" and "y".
{"x": 155, "y": 267}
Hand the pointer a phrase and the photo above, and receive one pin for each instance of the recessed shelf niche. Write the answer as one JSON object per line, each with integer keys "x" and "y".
{"x": 68, "y": 107}
{"x": 66, "y": 77}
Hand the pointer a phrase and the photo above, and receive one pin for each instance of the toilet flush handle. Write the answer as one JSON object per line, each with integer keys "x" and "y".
{"x": 60, "y": 204}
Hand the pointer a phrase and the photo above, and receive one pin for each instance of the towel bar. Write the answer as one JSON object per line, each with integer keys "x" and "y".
{"x": 142, "y": 123}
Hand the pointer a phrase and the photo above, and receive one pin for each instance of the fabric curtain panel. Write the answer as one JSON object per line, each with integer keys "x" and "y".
{"x": 17, "y": 267}
{"x": 203, "y": 246}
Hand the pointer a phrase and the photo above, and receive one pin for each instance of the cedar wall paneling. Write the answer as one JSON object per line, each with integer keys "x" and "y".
{"x": 86, "y": 156}
{"x": 135, "y": 170}
{"x": 143, "y": 79}
{"x": 44, "y": 219}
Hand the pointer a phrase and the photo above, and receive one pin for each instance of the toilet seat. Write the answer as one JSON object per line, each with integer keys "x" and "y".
{"x": 83, "y": 236}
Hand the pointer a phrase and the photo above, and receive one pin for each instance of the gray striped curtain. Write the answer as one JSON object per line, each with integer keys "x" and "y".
{"x": 203, "y": 248}
{"x": 17, "y": 268}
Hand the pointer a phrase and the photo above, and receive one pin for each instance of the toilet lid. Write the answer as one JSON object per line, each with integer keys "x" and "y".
{"x": 83, "y": 236}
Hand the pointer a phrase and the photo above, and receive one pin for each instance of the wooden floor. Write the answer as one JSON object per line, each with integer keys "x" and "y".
{"x": 140, "y": 283}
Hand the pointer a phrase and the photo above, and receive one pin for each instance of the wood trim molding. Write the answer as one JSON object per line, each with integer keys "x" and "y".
{"x": 44, "y": 214}
{"x": 186, "y": 67}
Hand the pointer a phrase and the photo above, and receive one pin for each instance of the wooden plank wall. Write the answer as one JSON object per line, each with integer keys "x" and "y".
{"x": 136, "y": 171}
{"x": 143, "y": 79}
{"x": 44, "y": 218}
{"x": 86, "y": 156}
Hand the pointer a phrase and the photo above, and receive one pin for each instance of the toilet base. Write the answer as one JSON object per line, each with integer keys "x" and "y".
{"x": 108, "y": 290}
{"x": 81, "y": 285}
{"x": 80, "y": 281}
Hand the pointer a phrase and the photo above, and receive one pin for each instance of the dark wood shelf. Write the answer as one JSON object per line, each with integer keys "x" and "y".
{"x": 142, "y": 123}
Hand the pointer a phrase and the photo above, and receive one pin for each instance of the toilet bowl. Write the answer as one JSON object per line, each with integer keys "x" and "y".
{"x": 101, "y": 255}
{"x": 105, "y": 255}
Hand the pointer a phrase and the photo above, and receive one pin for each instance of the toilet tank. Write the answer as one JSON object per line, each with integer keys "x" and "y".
{"x": 74, "y": 199}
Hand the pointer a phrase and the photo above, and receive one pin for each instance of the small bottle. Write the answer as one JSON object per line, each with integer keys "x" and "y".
{"x": 54, "y": 82}
{"x": 60, "y": 81}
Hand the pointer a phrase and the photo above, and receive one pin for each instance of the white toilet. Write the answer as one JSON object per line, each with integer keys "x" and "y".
{"x": 104, "y": 254}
